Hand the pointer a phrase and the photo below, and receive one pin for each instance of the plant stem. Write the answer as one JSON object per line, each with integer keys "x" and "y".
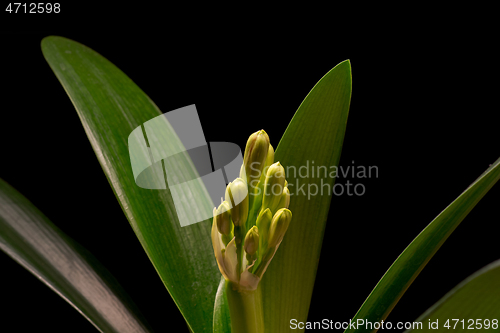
{"x": 238, "y": 239}
{"x": 245, "y": 308}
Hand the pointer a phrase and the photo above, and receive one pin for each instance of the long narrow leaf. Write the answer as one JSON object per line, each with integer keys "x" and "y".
{"x": 33, "y": 241}
{"x": 110, "y": 107}
{"x": 472, "y": 304}
{"x": 410, "y": 263}
{"x": 315, "y": 133}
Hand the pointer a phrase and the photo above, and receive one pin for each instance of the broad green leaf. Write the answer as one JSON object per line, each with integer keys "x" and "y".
{"x": 474, "y": 304}
{"x": 315, "y": 133}
{"x": 110, "y": 107}
{"x": 33, "y": 241}
{"x": 410, "y": 263}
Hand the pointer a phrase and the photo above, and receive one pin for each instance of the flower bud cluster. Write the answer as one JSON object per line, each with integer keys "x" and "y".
{"x": 251, "y": 221}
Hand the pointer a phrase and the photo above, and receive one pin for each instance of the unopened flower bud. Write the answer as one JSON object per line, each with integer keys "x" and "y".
{"x": 267, "y": 165}
{"x": 285, "y": 199}
{"x": 237, "y": 197}
{"x": 279, "y": 225}
{"x": 252, "y": 241}
{"x": 224, "y": 218}
{"x": 273, "y": 187}
{"x": 255, "y": 157}
{"x": 264, "y": 223}
{"x": 243, "y": 174}
{"x": 269, "y": 161}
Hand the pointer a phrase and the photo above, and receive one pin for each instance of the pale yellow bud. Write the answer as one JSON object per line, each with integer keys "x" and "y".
{"x": 273, "y": 187}
{"x": 224, "y": 218}
{"x": 279, "y": 225}
{"x": 237, "y": 197}
{"x": 264, "y": 223}
{"x": 252, "y": 241}
{"x": 285, "y": 199}
{"x": 255, "y": 157}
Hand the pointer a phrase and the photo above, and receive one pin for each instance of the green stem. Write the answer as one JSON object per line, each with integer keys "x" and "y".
{"x": 245, "y": 308}
{"x": 265, "y": 259}
{"x": 238, "y": 239}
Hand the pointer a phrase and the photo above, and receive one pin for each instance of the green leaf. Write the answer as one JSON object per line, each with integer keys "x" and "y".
{"x": 474, "y": 300}
{"x": 410, "y": 263}
{"x": 110, "y": 107}
{"x": 222, "y": 319}
{"x": 66, "y": 267}
{"x": 315, "y": 133}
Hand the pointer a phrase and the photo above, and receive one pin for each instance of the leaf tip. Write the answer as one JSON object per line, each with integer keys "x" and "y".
{"x": 346, "y": 63}
{"x": 47, "y": 42}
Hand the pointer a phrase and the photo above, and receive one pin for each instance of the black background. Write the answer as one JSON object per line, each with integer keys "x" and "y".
{"x": 423, "y": 110}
